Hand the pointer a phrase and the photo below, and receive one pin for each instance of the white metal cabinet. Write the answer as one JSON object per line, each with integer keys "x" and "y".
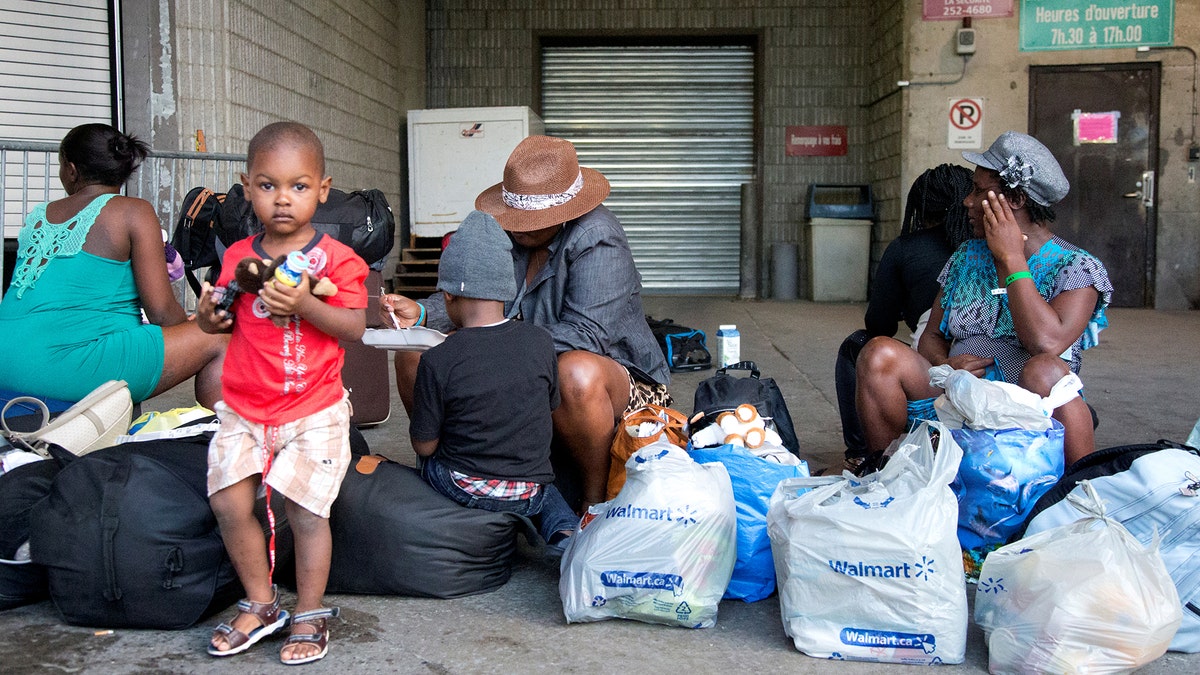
{"x": 456, "y": 153}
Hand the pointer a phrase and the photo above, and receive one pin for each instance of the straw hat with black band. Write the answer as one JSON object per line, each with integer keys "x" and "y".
{"x": 543, "y": 186}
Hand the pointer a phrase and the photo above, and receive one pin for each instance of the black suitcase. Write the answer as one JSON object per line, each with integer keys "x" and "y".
{"x": 365, "y": 368}
{"x": 128, "y": 539}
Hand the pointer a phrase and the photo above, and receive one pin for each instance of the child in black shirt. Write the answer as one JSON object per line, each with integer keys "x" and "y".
{"x": 483, "y": 399}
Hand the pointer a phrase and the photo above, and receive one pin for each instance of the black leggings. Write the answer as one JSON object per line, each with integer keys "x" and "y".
{"x": 846, "y": 379}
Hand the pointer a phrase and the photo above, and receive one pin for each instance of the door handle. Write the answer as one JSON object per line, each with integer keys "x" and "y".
{"x": 1145, "y": 190}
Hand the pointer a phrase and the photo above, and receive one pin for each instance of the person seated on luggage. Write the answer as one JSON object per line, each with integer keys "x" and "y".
{"x": 575, "y": 277}
{"x": 935, "y": 224}
{"x": 88, "y": 266}
{"x": 285, "y": 416}
{"x": 1016, "y": 298}
{"x": 482, "y": 402}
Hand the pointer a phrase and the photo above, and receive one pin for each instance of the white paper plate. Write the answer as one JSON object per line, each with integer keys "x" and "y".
{"x": 415, "y": 339}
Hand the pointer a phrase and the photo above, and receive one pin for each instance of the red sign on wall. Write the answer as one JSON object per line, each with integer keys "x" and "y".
{"x": 953, "y": 10}
{"x": 816, "y": 141}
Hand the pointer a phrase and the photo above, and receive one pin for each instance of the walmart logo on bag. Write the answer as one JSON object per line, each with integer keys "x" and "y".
{"x": 918, "y": 570}
{"x": 684, "y": 515}
{"x": 646, "y": 580}
{"x": 862, "y": 637}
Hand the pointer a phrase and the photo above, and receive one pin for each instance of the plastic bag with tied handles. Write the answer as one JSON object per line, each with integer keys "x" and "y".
{"x": 982, "y": 404}
{"x": 1080, "y": 598}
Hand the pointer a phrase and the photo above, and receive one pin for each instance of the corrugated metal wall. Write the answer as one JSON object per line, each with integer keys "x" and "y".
{"x": 672, "y": 130}
{"x": 55, "y": 67}
{"x": 56, "y": 72}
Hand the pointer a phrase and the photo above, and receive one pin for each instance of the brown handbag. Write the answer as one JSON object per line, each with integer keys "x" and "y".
{"x": 626, "y": 441}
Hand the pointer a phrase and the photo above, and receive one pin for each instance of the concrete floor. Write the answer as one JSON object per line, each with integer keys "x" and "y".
{"x": 1141, "y": 380}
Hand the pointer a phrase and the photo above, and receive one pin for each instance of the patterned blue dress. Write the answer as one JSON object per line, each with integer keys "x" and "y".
{"x": 979, "y": 322}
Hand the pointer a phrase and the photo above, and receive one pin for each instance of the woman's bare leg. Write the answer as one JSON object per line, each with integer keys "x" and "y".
{"x": 189, "y": 351}
{"x": 1040, "y": 374}
{"x": 594, "y": 391}
{"x": 890, "y": 374}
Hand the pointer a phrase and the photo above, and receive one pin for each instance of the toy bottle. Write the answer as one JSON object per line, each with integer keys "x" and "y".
{"x": 290, "y": 272}
{"x": 729, "y": 347}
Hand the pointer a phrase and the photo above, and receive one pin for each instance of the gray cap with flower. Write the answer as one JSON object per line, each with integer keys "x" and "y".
{"x": 1023, "y": 162}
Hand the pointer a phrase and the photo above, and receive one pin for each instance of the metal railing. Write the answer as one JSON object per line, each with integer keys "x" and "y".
{"x": 29, "y": 174}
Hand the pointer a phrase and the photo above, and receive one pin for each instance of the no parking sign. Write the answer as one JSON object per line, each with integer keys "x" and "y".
{"x": 965, "y": 127}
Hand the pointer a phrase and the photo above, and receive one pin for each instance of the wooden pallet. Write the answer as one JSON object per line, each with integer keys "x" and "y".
{"x": 417, "y": 268}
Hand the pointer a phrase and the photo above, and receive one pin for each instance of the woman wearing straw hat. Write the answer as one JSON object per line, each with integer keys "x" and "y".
{"x": 1015, "y": 298}
{"x": 576, "y": 278}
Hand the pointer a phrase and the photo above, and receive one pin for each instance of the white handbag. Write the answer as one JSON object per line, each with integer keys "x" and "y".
{"x": 93, "y": 423}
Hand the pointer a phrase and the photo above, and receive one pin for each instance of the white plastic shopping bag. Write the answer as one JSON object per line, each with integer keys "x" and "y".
{"x": 977, "y": 403}
{"x": 870, "y": 569}
{"x": 662, "y": 551}
{"x": 1080, "y": 598}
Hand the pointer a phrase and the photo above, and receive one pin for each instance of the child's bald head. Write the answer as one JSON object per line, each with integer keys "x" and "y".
{"x": 279, "y": 134}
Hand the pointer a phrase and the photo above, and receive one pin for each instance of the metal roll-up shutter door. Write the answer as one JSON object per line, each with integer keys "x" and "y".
{"x": 57, "y": 70}
{"x": 672, "y": 130}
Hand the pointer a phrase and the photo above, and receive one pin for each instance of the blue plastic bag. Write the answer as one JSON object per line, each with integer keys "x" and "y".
{"x": 754, "y": 481}
{"x": 1002, "y": 475}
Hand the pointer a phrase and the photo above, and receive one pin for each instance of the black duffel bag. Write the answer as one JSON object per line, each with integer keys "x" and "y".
{"x": 724, "y": 392}
{"x": 393, "y": 534}
{"x": 21, "y": 580}
{"x": 128, "y": 539}
{"x": 362, "y": 220}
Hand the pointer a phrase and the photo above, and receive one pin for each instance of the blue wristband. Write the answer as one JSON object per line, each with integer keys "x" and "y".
{"x": 420, "y": 319}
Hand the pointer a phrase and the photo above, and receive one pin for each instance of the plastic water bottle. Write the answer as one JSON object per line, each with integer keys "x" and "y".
{"x": 290, "y": 272}
{"x": 729, "y": 345}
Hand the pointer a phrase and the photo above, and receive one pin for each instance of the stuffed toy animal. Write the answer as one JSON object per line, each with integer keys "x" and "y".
{"x": 251, "y": 274}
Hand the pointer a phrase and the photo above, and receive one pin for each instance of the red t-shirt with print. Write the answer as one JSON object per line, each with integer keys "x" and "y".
{"x": 276, "y": 375}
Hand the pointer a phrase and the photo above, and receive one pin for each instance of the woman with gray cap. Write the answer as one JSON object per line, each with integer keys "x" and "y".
{"x": 1016, "y": 302}
{"x": 575, "y": 277}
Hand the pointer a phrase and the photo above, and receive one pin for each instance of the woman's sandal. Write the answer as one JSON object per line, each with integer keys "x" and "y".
{"x": 271, "y": 618}
{"x": 318, "y": 619}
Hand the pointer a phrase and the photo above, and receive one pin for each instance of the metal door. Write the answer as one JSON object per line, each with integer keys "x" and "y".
{"x": 1110, "y": 210}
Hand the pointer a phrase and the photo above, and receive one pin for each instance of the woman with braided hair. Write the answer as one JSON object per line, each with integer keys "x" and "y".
{"x": 935, "y": 224}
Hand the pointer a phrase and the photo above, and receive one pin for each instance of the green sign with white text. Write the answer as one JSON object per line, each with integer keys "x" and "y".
{"x": 1051, "y": 25}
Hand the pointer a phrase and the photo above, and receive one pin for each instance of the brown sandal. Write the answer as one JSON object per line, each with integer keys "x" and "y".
{"x": 317, "y": 618}
{"x": 271, "y": 618}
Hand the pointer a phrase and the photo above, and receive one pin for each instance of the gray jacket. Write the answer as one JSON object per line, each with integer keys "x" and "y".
{"x": 588, "y": 296}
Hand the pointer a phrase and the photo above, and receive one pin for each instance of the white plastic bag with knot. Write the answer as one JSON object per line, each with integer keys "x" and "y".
{"x": 662, "y": 551}
{"x": 985, "y": 404}
{"x": 870, "y": 569}
{"x": 1080, "y": 598}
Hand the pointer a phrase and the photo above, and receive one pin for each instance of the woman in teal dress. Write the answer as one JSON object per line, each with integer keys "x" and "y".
{"x": 88, "y": 266}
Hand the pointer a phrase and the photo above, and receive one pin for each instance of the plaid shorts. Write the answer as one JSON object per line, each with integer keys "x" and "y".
{"x": 311, "y": 454}
{"x": 642, "y": 393}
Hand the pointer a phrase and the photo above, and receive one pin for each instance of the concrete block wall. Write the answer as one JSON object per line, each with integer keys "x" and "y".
{"x": 347, "y": 68}
{"x": 813, "y": 58}
{"x": 885, "y": 120}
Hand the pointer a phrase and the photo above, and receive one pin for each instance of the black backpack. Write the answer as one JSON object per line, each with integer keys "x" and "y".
{"x": 724, "y": 392}
{"x": 128, "y": 540}
{"x": 684, "y": 347}
{"x": 362, "y": 220}
{"x": 195, "y": 236}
